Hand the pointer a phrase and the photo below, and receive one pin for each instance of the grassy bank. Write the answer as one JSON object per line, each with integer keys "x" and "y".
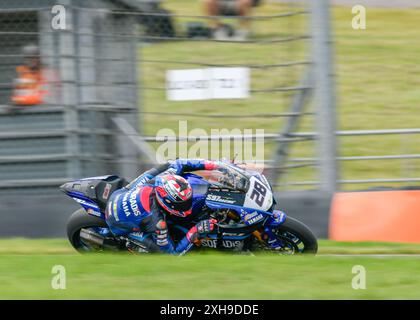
{"x": 377, "y": 84}
{"x": 25, "y": 273}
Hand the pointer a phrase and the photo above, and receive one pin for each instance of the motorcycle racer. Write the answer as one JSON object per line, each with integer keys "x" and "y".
{"x": 138, "y": 209}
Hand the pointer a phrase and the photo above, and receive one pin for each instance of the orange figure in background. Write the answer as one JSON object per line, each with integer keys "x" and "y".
{"x": 29, "y": 87}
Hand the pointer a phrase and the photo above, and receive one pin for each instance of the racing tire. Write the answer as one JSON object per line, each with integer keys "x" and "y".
{"x": 302, "y": 232}
{"x": 80, "y": 219}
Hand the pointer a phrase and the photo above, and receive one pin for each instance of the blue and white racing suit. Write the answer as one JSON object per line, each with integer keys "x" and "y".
{"x": 134, "y": 211}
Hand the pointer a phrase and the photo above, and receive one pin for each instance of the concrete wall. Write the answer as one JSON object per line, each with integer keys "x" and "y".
{"x": 310, "y": 207}
{"x": 35, "y": 216}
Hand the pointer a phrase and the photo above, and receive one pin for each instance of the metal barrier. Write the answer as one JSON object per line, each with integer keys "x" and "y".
{"x": 111, "y": 60}
{"x": 37, "y": 150}
{"x": 301, "y": 162}
{"x": 98, "y": 61}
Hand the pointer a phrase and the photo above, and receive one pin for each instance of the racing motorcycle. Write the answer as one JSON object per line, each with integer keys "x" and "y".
{"x": 241, "y": 200}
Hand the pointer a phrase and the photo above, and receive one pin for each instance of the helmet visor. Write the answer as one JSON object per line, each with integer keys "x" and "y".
{"x": 181, "y": 206}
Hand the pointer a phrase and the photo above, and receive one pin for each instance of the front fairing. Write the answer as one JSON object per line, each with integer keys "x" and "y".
{"x": 254, "y": 204}
{"x": 198, "y": 184}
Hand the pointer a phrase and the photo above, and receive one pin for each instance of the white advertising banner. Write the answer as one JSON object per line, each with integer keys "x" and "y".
{"x": 209, "y": 83}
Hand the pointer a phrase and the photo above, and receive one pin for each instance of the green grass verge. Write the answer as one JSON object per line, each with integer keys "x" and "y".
{"x": 25, "y": 273}
{"x": 377, "y": 84}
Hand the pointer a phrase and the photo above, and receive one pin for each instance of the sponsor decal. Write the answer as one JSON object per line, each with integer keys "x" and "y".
{"x": 129, "y": 203}
{"x": 232, "y": 191}
{"x": 230, "y": 244}
{"x": 125, "y": 204}
{"x": 170, "y": 187}
{"x": 253, "y": 217}
{"x": 162, "y": 242}
{"x": 212, "y": 197}
{"x": 94, "y": 178}
{"x": 93, "y": 212}
{"x": 77, "y": 186}
{"x": 107, "y": 189}
{"x": 171, "y": 171}
{"x": 85, "y": 203}
{"x": 227, "y": 234}
{"x": 143, "y": 180}
{"x": 108, "y": 210}
{"x": 279, "y": 216}
{"x": 133, "y": 203}
{"x": 115, "y": 208}
{"x": 138, "y": 235}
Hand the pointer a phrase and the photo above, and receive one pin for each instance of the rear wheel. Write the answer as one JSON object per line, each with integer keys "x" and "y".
{"x": 83, "y": 232}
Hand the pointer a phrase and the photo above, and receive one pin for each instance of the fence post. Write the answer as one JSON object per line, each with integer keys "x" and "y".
{"x": 131, "y": 144}
{"x": 298, "y": 104}
{"x": 69, "y": 90}
{"x": 324, "y": 94}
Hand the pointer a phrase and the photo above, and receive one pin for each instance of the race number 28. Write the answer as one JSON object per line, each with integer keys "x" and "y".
{"x": 258, "y": 193}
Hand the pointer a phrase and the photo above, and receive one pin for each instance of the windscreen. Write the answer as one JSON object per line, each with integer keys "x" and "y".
{"x": 227, "y": 176}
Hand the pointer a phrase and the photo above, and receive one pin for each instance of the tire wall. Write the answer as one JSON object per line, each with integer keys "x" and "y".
{"x": 392, "y": 215}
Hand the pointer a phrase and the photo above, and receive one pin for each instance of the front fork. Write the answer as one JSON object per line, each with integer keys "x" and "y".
{"x": 276, "y": 219}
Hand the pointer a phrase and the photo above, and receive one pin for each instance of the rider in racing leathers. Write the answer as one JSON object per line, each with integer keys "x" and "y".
{"x": 138, "y": 210}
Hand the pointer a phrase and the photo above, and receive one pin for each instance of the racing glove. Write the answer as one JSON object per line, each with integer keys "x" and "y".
{"x": 201, "y": 229}
{"x": 181, "y": 166}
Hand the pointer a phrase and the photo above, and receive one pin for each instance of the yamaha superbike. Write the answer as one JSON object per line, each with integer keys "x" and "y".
{"x": 241, "y": 200}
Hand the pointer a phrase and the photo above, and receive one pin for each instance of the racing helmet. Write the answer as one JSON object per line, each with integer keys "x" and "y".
{"x": 174, "y": 194}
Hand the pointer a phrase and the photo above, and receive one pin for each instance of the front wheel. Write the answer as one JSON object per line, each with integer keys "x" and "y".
{"x": 296, "y": 238}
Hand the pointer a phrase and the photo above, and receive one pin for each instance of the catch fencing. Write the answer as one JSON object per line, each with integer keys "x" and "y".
{"x": 109, "y": 60}
{"x": 109, "y": 94}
